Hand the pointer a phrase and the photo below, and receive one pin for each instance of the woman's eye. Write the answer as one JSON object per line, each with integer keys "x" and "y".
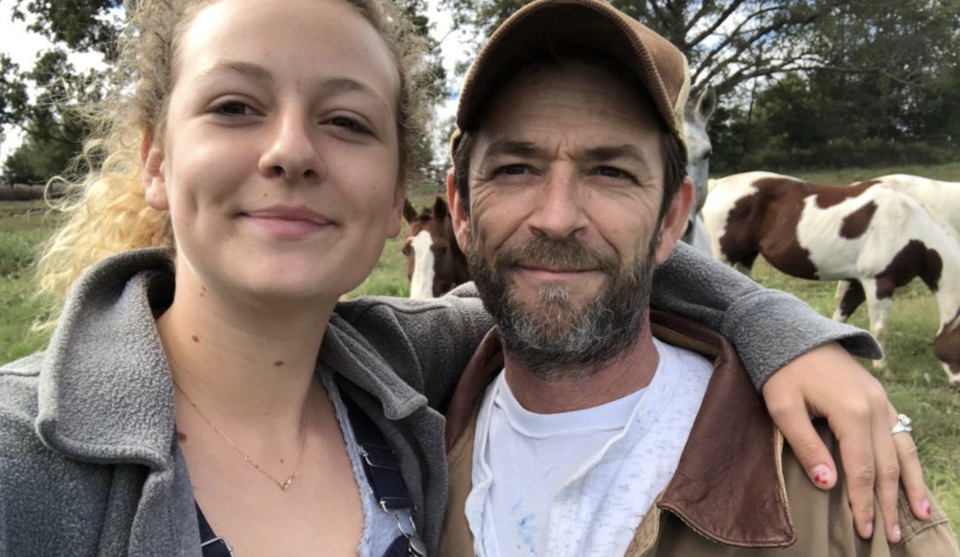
{"x": 235, "y": 108}
{"x": 350, "y": 124}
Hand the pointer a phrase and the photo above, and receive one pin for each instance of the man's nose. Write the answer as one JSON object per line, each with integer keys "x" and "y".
{"x": 560, "y": 214}
{"x": 292, "y": 150}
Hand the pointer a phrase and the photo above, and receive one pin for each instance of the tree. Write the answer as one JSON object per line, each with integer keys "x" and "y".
{"x": 81, "y": 25}
{"x": 13, "y": 94}
{"x": 429, "y": 167}
{"x": 52, "y": 127}
{"x": 730, "y": 42}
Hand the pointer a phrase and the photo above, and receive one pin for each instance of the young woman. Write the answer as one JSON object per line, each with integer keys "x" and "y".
{"x": 200, "y": 387}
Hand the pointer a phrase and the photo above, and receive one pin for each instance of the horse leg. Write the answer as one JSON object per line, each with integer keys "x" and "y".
{"x": 879, "y": 309}
{"x": 842, "y": 287}
{"x": 953, "y": 378}
{"x": 745, "y": 265}
{"x": 853, "y": 296}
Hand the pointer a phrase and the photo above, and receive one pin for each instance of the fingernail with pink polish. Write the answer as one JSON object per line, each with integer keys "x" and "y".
{"x": 869, "y": 530}
{"x": 820, "y": 474}
{"x": 926, "y": 507}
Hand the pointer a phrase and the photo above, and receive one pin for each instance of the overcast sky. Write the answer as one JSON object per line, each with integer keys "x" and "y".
{"x": 23, "y": 46}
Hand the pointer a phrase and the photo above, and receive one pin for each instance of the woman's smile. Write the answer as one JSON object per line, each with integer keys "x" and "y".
{"x": 290, "y": 222}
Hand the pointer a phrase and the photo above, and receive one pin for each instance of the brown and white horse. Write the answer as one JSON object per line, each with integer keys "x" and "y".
{"x": 435, "y": 264}
{"x": 865, "y": 232}
{"x": 940, "y": 198}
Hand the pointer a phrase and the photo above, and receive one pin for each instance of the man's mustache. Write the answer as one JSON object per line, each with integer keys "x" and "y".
{"x": 568, "y": 254}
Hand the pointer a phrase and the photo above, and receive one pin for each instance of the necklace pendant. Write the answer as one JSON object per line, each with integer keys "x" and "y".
{"x": 286, "y": 483}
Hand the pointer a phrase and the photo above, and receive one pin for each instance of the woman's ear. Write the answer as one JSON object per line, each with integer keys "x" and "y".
{"x": 396, "y": 212}
{"x": 151, "y": 173}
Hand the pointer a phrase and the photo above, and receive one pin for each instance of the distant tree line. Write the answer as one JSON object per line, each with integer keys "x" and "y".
{"x": 803, "y": 83}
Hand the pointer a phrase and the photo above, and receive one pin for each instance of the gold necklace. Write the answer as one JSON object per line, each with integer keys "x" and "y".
{"x": 283, "y": 484}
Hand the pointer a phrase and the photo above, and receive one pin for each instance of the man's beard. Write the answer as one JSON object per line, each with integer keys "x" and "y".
{"x": 558, "y": 338}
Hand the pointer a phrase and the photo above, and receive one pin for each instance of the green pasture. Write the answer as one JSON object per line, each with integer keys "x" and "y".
{"x": 918, "y": 387}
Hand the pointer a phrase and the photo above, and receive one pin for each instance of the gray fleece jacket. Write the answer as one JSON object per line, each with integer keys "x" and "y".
{"x": 89, "y": 462}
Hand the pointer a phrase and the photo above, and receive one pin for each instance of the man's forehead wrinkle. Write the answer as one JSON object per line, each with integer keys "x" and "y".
{"x": 565, "y": 148}
{"x": 512, "y": 147}
{"x": 611, "y": 152}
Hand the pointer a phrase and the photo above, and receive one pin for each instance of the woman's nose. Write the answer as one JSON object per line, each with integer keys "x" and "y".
{"x": 292, "y": 151}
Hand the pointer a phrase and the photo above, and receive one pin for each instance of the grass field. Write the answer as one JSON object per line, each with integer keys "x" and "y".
{"x": 919, "y": 387}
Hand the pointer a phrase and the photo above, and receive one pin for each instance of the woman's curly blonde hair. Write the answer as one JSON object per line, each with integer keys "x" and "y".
{"x": 104, "y": 210}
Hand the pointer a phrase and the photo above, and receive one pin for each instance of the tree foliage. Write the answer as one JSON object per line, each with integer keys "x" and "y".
{"x": 52, "y": 128}
{"x": 81, "y": 25}
{"x": 885, "y": 91}
{"x": 13, "y": 94}
{"x": 429, "y": 168}
{"x": 50, "y": 122}
{"x": 801, "y": 81}
{"x": 730, "y": 42}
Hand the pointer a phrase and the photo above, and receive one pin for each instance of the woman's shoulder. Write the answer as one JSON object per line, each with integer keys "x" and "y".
{"x": 41, "y": 488}
{"x": 19, "y": 381}
{"x": 19, "y": 403}
{"x": 21, "y": 446}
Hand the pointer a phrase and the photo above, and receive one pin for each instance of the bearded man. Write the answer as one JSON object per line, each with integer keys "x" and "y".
{"x": 587, "y": 424}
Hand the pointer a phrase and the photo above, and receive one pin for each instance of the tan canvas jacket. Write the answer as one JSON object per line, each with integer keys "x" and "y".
{"x": 737, "y": 491}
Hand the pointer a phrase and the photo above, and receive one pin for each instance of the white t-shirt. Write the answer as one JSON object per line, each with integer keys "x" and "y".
{"x": 578, "y": 483}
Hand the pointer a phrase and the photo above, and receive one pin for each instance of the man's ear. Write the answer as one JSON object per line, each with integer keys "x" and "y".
{"x": 151, "y": 173}
{"x": 674, "y": 222}
{"x": 461, "y": 222}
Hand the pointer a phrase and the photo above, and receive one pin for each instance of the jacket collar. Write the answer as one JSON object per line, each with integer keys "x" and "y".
{"x": 728, "y": 484}
{"x": 105, "y": 393}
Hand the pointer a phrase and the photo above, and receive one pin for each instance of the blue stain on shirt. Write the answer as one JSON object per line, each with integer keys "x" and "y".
{"x": 525, "y": 533}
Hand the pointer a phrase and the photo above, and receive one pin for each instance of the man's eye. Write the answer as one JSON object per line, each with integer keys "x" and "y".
{"x": 610, "y": 172}
{"x": 512, "y": 169}
{"x": 350, "y": 124}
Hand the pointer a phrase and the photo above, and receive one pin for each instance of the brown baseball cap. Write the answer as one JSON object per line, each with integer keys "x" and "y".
{"x": 593, "y": 25}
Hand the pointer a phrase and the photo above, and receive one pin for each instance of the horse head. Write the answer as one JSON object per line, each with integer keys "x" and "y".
{"x": 946, "y": 346}
{"x": 696, "y": 116}
{"x": 435, "y": 264}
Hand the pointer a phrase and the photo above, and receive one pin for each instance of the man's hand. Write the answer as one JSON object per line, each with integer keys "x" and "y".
{"x": 827, "y": 382}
